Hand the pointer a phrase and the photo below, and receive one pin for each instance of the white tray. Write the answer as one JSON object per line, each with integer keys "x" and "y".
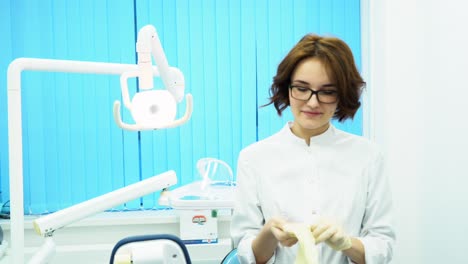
{"x": 196, "y": 195}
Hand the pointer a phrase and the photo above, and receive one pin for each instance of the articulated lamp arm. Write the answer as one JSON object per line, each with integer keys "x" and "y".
{"x": 148, "y": 44}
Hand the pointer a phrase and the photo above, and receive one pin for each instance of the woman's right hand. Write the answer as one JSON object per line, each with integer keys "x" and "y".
{"x": 285, "y": 238}
{"x": 266, "y": 242}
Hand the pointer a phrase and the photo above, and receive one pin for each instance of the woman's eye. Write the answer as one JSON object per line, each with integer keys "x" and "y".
{"x": 302, "y": 89}
{"x": 328, "y": 92}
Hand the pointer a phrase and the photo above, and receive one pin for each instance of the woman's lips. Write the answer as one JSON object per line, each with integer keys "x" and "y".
{"x": 312, "y": 113}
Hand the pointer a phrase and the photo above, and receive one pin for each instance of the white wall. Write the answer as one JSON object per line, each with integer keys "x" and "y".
{"x": 418, "y": 89}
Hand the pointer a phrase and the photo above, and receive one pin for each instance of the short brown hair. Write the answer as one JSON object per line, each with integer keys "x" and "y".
{"x": 338, "y": 61}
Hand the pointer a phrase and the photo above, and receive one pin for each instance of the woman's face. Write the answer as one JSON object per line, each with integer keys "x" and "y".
{"x": 311, "y": 117}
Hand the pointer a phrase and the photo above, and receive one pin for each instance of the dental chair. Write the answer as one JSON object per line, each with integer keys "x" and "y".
{"x": 231, "y": 258}
{"x": 155, "y": 249}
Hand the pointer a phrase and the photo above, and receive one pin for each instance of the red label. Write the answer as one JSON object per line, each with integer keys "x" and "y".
{"x": 199, "y": 219}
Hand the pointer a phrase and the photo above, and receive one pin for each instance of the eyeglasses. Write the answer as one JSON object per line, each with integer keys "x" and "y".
{"x": 304, "y": 94}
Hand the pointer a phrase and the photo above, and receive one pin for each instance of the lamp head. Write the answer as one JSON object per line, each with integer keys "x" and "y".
{"x": 154, "y": 108}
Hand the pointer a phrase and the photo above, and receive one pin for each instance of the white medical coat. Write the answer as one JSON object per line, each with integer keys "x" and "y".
{"x": 340, "y": 176}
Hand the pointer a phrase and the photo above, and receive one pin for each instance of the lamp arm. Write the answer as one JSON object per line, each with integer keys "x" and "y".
{"x": 45, "y": 253}
{"x": 148, "y": 44}
{"x": 47, "y": 224}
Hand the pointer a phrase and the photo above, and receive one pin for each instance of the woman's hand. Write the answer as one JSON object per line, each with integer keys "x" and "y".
{"x": 285, "y": 238}
{"x": 266, "y": 242}
{"x": 332, "y": 234}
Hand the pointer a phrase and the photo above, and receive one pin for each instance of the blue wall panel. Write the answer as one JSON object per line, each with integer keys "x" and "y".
{"x": 5, "y": 55}
{"x": 227, "y": 50}
{"x": 73, "y": 151}
{"x": 247, "y": 103}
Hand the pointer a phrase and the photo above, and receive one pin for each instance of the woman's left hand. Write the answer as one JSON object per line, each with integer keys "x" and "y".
{"x": 332, "y": 234}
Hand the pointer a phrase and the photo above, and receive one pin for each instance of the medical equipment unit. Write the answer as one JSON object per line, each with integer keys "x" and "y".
{"x": 198, "y": 203}
{"x": 148, "y": 111}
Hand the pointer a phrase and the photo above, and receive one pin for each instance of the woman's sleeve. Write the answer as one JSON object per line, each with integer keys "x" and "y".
{"x": 247, "y": 219}
{"x": 377, "y": 233}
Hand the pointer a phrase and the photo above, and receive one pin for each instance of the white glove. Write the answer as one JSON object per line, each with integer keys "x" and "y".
{"x": 332, "y": 234}
{"x": 307, "y": 252}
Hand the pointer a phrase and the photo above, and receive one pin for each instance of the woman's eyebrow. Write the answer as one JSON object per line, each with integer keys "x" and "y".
{"x": 300, "y": 82}
{"x": 328, "y": 85}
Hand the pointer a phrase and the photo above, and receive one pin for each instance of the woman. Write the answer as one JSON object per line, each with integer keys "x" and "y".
{"x": 310, "y": 172}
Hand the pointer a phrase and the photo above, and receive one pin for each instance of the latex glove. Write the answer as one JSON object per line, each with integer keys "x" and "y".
{"x": 307, "y": 252}
{"x": 332, "y": 234}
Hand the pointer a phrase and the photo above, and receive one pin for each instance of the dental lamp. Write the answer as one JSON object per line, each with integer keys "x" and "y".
{"x": 153, "y": 109}
{"x": 148, "y": 43}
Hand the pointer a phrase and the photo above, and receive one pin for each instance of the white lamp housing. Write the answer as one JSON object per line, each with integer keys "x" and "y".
{"x": 148, "y": 44}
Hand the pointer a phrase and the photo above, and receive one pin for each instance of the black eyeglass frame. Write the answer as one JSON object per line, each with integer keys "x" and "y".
{"x": 318, "y": 93}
